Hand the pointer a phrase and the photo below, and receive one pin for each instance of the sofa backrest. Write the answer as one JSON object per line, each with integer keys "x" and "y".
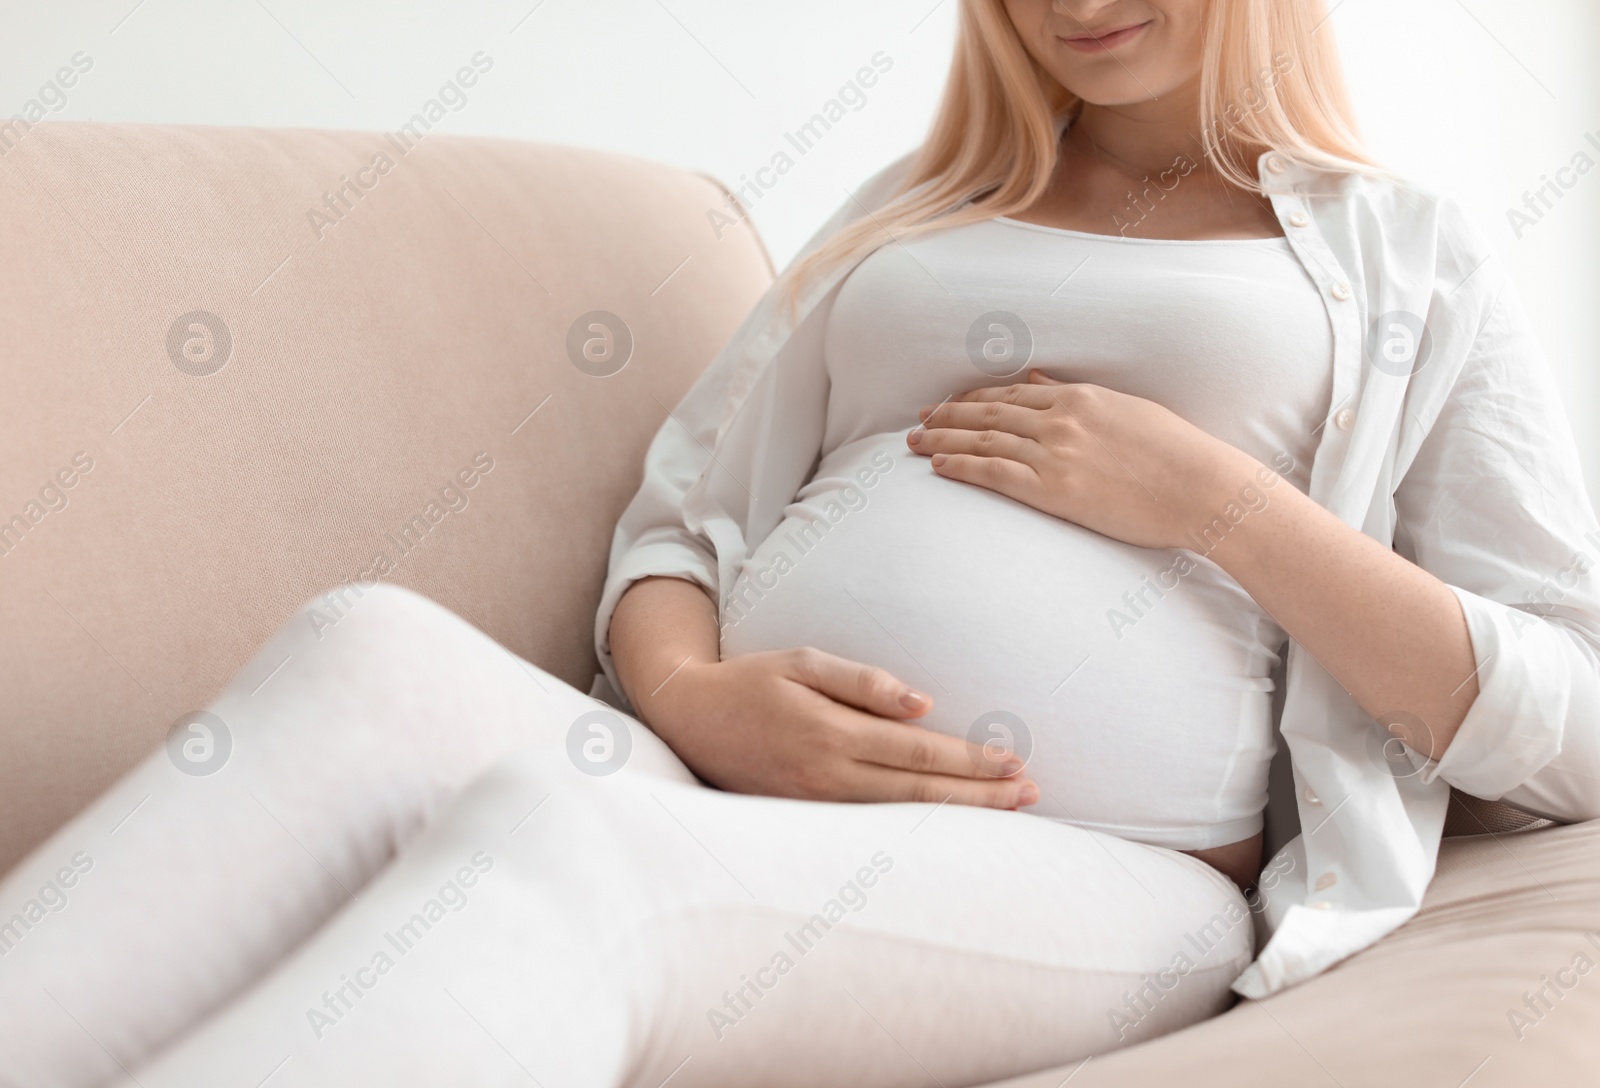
{"x": 243, "y": 366}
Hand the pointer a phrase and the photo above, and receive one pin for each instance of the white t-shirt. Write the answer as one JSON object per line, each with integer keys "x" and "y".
{"x": 1135, "y": 681}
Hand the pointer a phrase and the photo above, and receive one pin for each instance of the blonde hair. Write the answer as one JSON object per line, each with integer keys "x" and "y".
{"x": 1268, "y": 80}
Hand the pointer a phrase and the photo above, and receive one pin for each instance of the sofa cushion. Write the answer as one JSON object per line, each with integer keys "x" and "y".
{"x": 228, "y": 390}
{"x": 1495, "y": 983}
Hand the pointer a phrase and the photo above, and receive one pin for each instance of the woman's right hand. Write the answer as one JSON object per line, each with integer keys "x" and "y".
{"x": 803, "y": 723}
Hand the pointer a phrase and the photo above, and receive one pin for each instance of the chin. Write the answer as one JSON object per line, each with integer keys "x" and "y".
{"x": 1117, "y": 89}
{"x": 1109, "y": 83}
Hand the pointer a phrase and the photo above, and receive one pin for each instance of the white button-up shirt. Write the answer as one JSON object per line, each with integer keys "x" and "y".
{"x": 1445, "y": 440}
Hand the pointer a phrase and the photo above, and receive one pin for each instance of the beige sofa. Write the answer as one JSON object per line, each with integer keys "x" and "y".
{"x": 227, "y": 391}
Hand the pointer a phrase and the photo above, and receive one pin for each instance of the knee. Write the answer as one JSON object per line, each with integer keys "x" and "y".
{"x": 359, "y": 604}
{"x": 370, "y": 615}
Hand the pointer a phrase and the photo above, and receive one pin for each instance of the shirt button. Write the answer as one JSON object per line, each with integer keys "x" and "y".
{"x": 1276, "y": 164}
{"x": 1299, "y": 219}
{"x": 1326, "y": 881}
{"x": 1311, "y": 797}
{"x": 1344, "y": 418}
{"x": 1340, "y": 291}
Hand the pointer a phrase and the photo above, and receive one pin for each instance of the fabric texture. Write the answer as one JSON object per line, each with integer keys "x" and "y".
{"x": 584, "y": 912}
{"x": 1445, "y": 439}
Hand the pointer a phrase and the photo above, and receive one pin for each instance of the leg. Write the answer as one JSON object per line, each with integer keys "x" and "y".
{"x": 174, "y": 890}
{"x": 629, "y": 931}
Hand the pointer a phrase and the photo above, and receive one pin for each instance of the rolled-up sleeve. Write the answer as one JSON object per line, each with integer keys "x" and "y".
{"x": 1494, "y": 505}
{"x": 735, "y": 450}
{"x": 653, "y": 537}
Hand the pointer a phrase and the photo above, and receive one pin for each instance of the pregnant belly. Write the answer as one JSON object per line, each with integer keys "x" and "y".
{"x": 1135, "y": 682}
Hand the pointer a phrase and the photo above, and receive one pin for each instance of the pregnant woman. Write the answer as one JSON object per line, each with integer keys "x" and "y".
{"x": 998, "y": 512}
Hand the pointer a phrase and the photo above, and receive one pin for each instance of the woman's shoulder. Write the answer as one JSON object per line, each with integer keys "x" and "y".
{"x": 885, "y": 182}
{"x": 878, "y": 189}
{"x": 1403, "y": 220}
{"x": 1380, "y": 190}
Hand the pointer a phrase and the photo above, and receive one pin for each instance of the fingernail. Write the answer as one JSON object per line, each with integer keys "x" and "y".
{"x": 1029, "y": 794}
{"x": 1010, "y": 767}
{"x": 923, "y": 413}
{"x": 915, "y": 436}
{"x": 939, "y": 459}
{"x": 913, "y": 700}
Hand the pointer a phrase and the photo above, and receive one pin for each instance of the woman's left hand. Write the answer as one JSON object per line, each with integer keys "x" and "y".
{"x": 1120, "y": 465}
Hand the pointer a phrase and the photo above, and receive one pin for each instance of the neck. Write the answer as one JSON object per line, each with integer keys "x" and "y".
{"x": 1146, "y": 136}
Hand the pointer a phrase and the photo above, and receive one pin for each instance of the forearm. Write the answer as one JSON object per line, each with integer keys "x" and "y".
{"x": 661, "y": 624}
{"x": 1392, "y": 634}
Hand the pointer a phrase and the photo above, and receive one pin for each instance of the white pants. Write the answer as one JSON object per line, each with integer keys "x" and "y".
{"x": 398, "y": 866}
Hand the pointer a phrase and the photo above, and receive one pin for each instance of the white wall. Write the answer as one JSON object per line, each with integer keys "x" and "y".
{"x": 1476, "y": 97}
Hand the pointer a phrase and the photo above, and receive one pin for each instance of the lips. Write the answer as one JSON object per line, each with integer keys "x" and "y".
{"x": 1102, "y": 41}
